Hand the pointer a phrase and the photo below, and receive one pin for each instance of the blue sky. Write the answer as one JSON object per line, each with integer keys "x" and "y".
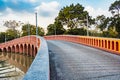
{"x": 23, "y": 10}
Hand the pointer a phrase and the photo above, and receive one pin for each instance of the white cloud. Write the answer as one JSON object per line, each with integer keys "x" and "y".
{"x": 31, "y": 1}
{"x": 48, "y": 9}
{"x": 26, "y": 17}
{"x": 95, "y": 12}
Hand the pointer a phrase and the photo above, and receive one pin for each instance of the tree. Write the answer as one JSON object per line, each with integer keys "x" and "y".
{"x": 73, "y": 15}
{"x": 56, "y": 28}
{"x": 2, "y": 37}
{"x": 10, "y": 34}
{"x": 115, "y": 8}
{"x": 100, "y": 21}
{"x": 12, "y": 24}
{"x": 111, "y": 32}
{"x": 51, "y": 29}
{"x": 77, "y": 31}
{"x": 115, "y": 21}
{"x": 29, "y": 29}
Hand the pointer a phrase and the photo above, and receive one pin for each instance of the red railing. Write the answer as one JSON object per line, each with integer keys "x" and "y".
{"x": 107, "y": 44}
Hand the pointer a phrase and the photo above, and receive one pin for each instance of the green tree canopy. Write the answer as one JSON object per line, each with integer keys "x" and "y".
{"x": 56, "y": 28}
{"x": 29, "y": 29}
{"x": 115, "y": 7}
{"x": 12, "y": 34}
{"x": 2, "y": 37}
{"x": 73, "y": 16}
{"x": 115, "y": 20}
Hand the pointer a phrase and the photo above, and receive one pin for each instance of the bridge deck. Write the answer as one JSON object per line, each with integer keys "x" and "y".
{"x": 71, "y": 61}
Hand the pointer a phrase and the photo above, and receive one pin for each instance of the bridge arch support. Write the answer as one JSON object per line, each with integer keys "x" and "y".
{"x": 25, "y": 49}
{"x": 4, "y": 50}
{"x": 17, "y": 48}
{"x": 13, "y": 49}
{"x": 21, "y": 48}
{"x": 24, "y": 45}
{"x": 0, "y": 50}
{"x": 9, "y": 49}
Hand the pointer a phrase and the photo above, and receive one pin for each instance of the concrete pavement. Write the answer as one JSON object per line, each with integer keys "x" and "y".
{"x": 71, "y": 61}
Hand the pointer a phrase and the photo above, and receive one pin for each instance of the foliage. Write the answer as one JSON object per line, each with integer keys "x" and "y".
{"x": 77, "y": 31}
{"x": 56, "y": 28}
{"x": 29, "y": 29}
{"x": 51, "y": 29}
{"x": 118, "y": 27}
{"x": 73, "y": 15}
{"x": 101, "y": 22}
{"x": 2, "y": 37}
{"x": 10, "y": 34}
{"x": 110, "y": 33}
{"x": 12, "y": 24}
{"x": 115, "y": 8}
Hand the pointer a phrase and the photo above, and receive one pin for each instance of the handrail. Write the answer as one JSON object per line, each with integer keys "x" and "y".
{"x": 39, "y": 69}
{"x": 107, "y": 44}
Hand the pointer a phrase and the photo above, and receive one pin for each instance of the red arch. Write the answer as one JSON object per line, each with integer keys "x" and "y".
{"x": 108, "y": 44}
{"x": 25, "y": 48}
{"x": 33, "y": 50}
{"x": 4, "y": 50}
{"x": 9, "y": 49}
{"x": 17, "y": 48}
{"x": 105, "y": 43}
{"x": 21, "y": 48}
{"x": 112, "y": 45}
{"x": 94, "y": 42}
{"x": 13, "y": 49}
{"x": 117, "y": 46}
{"x": 102, "y": 43}
{"x": 29, "y": 50}
{"x": 99, "y": 43}
{"x": 0, "y": 50}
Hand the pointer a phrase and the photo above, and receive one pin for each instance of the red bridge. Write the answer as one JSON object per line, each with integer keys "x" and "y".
{"x": 26, "y": 45}
{"x": 77, "y": 56}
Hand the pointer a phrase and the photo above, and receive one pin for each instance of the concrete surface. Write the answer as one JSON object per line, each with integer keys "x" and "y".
{"x": 39, "y": 69}
{"x": 71, "y": 61}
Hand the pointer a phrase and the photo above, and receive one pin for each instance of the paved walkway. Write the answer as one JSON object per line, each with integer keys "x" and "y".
{"x": 71, "y": 61}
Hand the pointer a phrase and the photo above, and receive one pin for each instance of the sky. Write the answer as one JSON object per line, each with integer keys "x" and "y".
{"x": 24, "y": 10}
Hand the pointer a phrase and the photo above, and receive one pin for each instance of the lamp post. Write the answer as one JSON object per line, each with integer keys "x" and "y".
{"x": 36, "y": 29}
{"x": 5, "y": 37}
{"x": 28, "y": 29}
{"x": 87, "y": 25}
{"x": 55, "y": 31}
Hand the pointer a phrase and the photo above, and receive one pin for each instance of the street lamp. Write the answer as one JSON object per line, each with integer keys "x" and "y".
{"x": 87, "y": 25}
{"x": 5, "y": 37}
{"x": 28, "y": 29}
{"x": 55, "y": 31}
{"x": 36, "y": 29}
